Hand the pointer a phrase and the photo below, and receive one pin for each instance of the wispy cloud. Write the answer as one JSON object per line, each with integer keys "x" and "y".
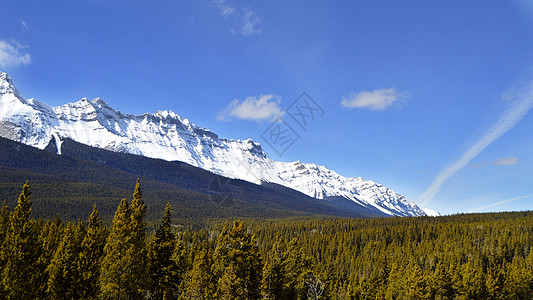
{"x": 225, "y": 9}
{"x": 240, "y": 21}
{"x": 13, "y": 54}
{"x": 374, "y": 100}
{"x": 521, "y": 100}
{"x": 250, "y": 22}
{"x": 24, "y": 25}
{"x": 263, "y": 107}
{"x": 498, "y": 203}
{"x": 505, "y": 161}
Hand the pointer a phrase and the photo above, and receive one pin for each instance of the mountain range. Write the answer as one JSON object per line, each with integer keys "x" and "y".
{"x": 165, "y": 135}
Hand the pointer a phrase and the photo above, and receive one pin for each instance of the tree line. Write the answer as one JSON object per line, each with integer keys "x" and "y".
{"x": 476, "y": 256}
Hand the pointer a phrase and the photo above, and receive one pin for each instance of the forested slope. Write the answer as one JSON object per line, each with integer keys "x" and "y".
{"x": 473, "y": 256}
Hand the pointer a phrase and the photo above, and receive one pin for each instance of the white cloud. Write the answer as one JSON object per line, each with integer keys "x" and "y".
{"x": 521, "y": 103}
{"x": 374, "y": 100}
{"x": 505, "y": 161}
{"x": 24, "y": 25}
{"x": 225, "y": 9}
{"x": 498, "y": 203}
{"x": 263, "y": 107}
{"x": 13, "y": 54}
{"x": 240, "y": 21}
{"x": 250, "y": 21}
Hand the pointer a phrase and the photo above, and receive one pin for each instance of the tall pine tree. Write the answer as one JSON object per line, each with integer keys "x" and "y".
{"x": 123, "y": 269}
{"x": 162, "y": 270}
{"x": 20, "y": 252}
{"x": 90, "y": 257}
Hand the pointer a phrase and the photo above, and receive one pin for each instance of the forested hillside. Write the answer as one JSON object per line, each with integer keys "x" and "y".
{"x": 475, "y": 256}
{"x": 70, "y": 184}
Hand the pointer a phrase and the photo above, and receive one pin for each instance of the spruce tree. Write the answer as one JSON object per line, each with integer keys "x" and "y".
{"x": 181, "y": 262}
{"x": 4, "y": 222}
{"x": 162, "y": 269}
{"x": 138, "y": 250}
{"x": 123, "y": 268}
{"x": 20, "y": 252}
{"x": 442, "y": 286}
{"x": 199, "y": 283}
{"x": 116, "y": 267}
{"x": 63, "y": 282}
{"x": 90, "y": 257}
{"x": 238, "y": 257}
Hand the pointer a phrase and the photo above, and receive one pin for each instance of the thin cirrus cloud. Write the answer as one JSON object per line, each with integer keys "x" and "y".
{"x": 521, "y": 101}
{"x": 240, "y": 21}
{"x": 261, "y": 108}
{"x": 505, "y": 161}
{"x": 498, "y": 203}
{"x": 13, "y": 54}
{"x": 375, "y": 100}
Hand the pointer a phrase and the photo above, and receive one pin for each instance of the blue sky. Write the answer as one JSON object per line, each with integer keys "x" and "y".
{"x": 430, "y": 98}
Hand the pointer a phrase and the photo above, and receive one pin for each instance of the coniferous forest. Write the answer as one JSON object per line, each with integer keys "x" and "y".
{"x": 471, "y": 256}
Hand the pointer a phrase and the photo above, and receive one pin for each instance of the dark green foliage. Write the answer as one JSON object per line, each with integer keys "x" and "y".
{"x": 476, "y": 256}
{"x": 71, "y": 183}
{"x": 238, "y": 264}
{"x": 90, "y": 257}
{"x": 64, "y": 276}
{"x": 20, "y": 252}
{"x": 162, "y": 268}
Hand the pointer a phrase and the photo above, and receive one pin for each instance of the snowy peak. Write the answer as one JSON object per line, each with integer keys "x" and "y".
{"x": 165, "y": 135}
{"x": 6, "y": 85}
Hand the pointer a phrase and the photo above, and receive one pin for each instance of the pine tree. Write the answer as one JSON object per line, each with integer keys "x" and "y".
{"x": 4, "y": 228}
{"x": 20, "y": 252}
{"x": 181, "y": 262}
{"x": 64, "y": 275}
{"x": 442, "y": 284}
{"x": 237, "y": 256}
{"x": 297, "y": 268}
{"x": 416, "y": 284}
{"x": 473, "y": 282}
{"x": 116, "y": 267}
{"x": 138, "y": 250}
{"x": 123, "y": 268}
{"x": 90, "y": 257}
{"x": 272, "y": 284}
{"x": 199, "y": 281}
{"x": 50, "y": 238}
{"x": 4, "y": 222}
{"x": 162, "y": 269}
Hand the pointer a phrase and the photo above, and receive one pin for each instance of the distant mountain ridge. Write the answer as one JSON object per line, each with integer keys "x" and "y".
{"x": 167, "y": 136}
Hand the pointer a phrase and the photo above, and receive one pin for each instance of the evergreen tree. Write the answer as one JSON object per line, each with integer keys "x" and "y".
{"x": 63, "y": 271}
{"x": 116, "y": 267}
{"x": 416, "y": 284}
{"x": 237, "y": 255}
{"x": 20, "y": 252}
{"x": 90, "y": 257}
{"x": 297, "y": 268}
{"x": 272, "y": 284}
{"x": 4, "y": 222}
{"x": 199, "y": 281}
{"x": 472, "y": 284}
{"x": 181, "y": 262}
{"x": 162, "y": 269}
{"x": 138, "y": 251}
{"x": 123, "y": 268}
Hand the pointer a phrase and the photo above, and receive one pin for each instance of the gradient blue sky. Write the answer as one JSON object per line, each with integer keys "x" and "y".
{"x": 430, "y": 98}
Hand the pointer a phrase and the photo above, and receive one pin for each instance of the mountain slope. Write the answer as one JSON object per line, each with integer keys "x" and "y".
{"x": 167, "y": 136}
{"x": 71, "y": 183}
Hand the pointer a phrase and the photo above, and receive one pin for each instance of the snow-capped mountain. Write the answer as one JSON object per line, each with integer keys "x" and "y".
{"x": 167, "y": 136}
